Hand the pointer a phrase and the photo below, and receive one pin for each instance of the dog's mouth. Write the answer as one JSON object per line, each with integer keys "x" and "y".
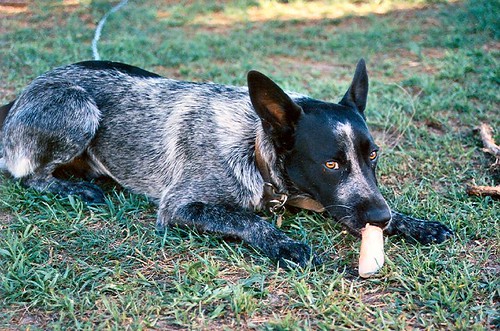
{"x": 356, "y": 231}
{"x": 349, "y": 222}
{"x": 353, "y": 224}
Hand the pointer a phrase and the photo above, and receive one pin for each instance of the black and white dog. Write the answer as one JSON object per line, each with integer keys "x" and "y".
{"x": 209, "y": 155}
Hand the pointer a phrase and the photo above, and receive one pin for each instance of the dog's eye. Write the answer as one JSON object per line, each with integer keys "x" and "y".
{"x": 373, "y": 155}
{"x": 332, "y": 165}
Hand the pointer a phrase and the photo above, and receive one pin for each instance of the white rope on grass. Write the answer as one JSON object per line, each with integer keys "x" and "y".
{"x": 100, "y": 25}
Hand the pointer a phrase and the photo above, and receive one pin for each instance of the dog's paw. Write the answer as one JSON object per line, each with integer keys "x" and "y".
{"x": 431, "y": 232}
{"x": 293, "y": 254}
{"x": 414, "y": 229}
{"x": 88, "y": 192}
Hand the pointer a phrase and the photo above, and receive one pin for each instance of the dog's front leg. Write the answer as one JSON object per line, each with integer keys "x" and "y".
{"x": 237, "y": 223}
{"x": 425, "y": 232}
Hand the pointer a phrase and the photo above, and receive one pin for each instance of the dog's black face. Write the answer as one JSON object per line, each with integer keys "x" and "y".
{"x": 329, "y": 152}
{"x": 334, "y": 159}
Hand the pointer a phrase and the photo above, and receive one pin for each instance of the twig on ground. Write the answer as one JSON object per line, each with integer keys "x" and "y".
{"x": 481, "y": 191}
{"x": 492, "y": 148}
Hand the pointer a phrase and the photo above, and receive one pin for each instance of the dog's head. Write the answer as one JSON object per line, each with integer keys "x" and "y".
{"x": 327, "y": 149}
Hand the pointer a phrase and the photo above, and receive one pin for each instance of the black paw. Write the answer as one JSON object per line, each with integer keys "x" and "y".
{"x": 424, "y": 232}
{"x": 293, "y": 254}
{"x": 414, "y": 229}
{"x": 431, "y": 233}
{"x": 88, "y": 192}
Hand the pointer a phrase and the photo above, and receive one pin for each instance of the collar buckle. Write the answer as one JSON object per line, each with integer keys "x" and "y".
{"x": 275, "y": 202}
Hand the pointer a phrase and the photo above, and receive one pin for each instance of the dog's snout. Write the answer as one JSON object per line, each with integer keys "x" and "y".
{"x": 379, "y": 217}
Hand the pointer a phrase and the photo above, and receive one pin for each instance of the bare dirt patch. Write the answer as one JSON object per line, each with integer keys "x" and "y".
{"x": 26, "y": 318}
{"x": 5, "y": 218}
{"x": 170, "y": 72}
{"x": 7, "y": 94}
{"x": 435, "y": 127}
{"x": 13, "y": 7}
{"x": 492, "y": 46}
{"x": 25, "y": 15}
{"x": 303, "y": 11}
{"x": 434, "y": 53}
{"x": 296, "y": 64}
{"x": 407, "y": 63}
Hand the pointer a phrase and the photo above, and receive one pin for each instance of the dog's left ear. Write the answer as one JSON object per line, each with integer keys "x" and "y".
{"x": 358, "y": 91}
{"x": 278, "y": 113}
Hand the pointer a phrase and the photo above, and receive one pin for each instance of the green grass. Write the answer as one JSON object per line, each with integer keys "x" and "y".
{"x": 434, "y": 78}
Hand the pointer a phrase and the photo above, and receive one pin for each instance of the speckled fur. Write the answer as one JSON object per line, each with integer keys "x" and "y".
{"x": 190, "y": 147}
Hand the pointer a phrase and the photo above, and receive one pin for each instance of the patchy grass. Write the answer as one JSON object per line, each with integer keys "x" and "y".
{"x": 434, "y": 78}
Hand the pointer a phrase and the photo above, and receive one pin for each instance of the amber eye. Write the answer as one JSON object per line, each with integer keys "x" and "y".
{"x": 332, "y": 165}
{"x": 373, "y": 155}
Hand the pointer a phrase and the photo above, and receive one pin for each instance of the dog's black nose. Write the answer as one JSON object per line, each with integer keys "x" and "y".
{"x": 379, "y": 217}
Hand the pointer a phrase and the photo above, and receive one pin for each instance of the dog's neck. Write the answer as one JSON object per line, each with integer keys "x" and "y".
{"x": 275, "y": 192}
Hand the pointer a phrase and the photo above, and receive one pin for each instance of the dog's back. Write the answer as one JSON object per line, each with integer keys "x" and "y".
{"x": 147, "y": 132}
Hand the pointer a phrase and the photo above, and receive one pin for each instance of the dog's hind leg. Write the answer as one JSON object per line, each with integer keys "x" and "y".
{"x": 234, "y": 222}
{"x": 86, "y": 191}
{"x": 50, "y": 124}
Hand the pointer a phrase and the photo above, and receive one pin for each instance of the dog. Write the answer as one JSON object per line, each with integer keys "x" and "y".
{"x": 210, "y": 156}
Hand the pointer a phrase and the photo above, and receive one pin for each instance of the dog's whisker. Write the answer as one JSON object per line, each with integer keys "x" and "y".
{"x": 338, "y": 205}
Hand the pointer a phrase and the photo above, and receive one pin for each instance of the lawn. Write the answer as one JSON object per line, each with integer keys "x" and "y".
{"x": 434, "y": 78}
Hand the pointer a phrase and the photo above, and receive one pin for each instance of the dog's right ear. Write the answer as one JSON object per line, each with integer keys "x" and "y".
{"x": 358, "y": 91}
{"x": 278, "y": 113}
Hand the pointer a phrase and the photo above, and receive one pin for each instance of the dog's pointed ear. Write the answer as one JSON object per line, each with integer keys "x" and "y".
{"x": 278, "y": 113}
{"x": 357, "y": 93}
